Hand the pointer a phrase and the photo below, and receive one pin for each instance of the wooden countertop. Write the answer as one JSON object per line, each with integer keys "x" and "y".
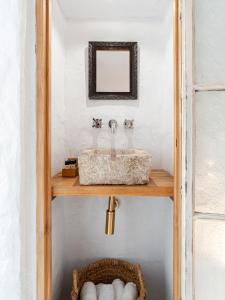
{"x": 161, "y": 184}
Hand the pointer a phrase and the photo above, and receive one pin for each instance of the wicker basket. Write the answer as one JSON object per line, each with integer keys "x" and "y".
{"x": 105, "y": 271}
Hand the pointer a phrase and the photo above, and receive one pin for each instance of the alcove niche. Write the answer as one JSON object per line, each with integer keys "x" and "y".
{"x": 144, "y": 225}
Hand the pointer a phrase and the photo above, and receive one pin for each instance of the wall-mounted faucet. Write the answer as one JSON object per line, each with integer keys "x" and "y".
{"x": 128, "y": 124}
{"x": 97, "y": 123}
{"x": 113, "y": 125}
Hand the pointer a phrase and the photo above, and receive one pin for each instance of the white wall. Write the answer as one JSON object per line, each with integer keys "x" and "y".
{"x": 17, "y": 150}
{"x": 153, "y": 112}
{"x": 58, "y": 144}
{"x": 144, "y": 225}
{"x": 58, "y": 88}
{"x": 140, "y": 237}
{"x": 28, "y": 155}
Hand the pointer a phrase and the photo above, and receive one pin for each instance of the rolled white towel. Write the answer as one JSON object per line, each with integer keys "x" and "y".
{"x": 88, "y": 291}
{"x": 130, "y": 292}
{"x": 106, "y": 292}
{"x": 98, "y": 287}
{"x": 118, "y": 286}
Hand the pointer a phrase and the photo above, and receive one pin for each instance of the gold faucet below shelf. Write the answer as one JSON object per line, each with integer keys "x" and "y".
{"x": 111, "y": 215}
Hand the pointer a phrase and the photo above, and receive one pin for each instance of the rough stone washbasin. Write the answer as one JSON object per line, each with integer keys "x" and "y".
{"x": 105, "y": 166}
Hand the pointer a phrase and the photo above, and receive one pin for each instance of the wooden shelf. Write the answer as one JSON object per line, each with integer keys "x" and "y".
{"x": 161, "y": 185}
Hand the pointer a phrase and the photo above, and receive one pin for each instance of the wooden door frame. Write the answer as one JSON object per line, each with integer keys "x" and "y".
{"x": 44, "y": 211}
{"x": 43, "y": 94}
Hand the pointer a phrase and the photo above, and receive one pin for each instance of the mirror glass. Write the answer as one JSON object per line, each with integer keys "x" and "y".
{"x": 112, "y": 71}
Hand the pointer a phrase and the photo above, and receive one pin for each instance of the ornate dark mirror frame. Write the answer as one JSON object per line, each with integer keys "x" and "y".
{"x": 133, "y": 49}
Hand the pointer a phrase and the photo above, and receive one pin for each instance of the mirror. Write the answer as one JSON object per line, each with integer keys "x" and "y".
{"x": 113, "y": 70}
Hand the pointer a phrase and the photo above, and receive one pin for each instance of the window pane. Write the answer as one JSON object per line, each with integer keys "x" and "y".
{"x": 210, "y": 152}
{"x": 210, "y": 41}
{"x": 209, "y": 259}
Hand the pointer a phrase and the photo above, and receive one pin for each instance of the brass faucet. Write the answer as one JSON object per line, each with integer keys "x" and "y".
{"x": 111, "y": 215}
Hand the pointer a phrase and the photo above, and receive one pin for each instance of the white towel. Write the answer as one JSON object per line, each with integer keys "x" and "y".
{"x": 98, "y": 287}
{"x": 118, "y": 286}
{"x": 106, "y": 292}
{"x": 88, "y": 291}
{"x": 130, "y": 292}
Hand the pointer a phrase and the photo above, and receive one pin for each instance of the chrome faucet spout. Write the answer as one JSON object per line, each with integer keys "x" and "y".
{"x": 113, "y": 125}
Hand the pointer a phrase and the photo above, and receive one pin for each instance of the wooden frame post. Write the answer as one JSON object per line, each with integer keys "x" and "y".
{"x": 177, "y": 210}
{"x": 43, "y": 92}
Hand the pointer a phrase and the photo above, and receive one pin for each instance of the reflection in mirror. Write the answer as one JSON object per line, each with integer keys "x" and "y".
{"x": 112, "y": 71}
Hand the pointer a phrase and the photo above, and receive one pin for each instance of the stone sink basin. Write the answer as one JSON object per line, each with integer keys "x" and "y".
{"x": 105, "y": 166}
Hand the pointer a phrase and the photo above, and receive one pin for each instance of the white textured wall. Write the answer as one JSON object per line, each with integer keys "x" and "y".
{"x": 144, "y": 225}
{"x": 28, "y": 155}
{"x": 58, "y": 147}
{"x": 153, "y": 111}
{"x": 58, "y": 88}
{"x": 10, "y": 142}
{"x": 17, "y": 150}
